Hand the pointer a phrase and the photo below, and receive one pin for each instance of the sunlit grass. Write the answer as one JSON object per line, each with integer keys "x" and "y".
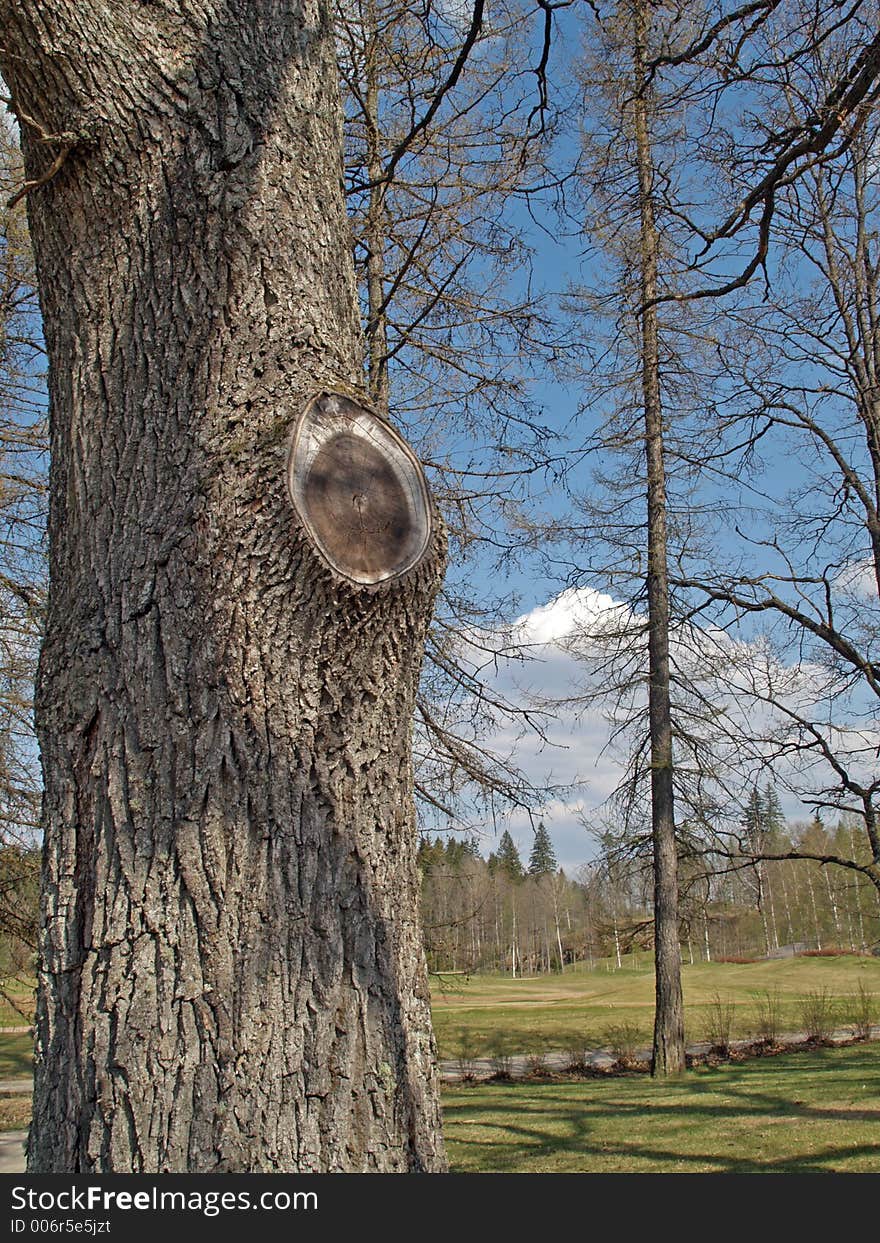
{"x": 559, "y": 1012}
{"x": 800, "y": 1112}
{"x": 16, "y": 1054}
{"x": 21, "y": 993}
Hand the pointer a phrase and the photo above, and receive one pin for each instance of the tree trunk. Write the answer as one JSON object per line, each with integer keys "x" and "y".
{"x": 759, "y": 875}
{"x": 375, "y": 232}
{"x": 232, "y": 976}
{"x": 835, "y": 913}
{"x": 668, "y": 1051}
{"x": 816, "y": 926}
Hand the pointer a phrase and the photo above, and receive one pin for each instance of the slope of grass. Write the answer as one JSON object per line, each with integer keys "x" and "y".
{"x": 816, "y": 1112}
{"x": 576, "y": 1008}
{"x": 16, "y": 1055}
{"x": 21, "y": 993}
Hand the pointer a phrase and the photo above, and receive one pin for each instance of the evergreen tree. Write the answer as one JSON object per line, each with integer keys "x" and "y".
{"x": 507, "y": 859}
{"x": 773, "y": 818}
{"x": 753, "y": 818}
{"x": 542, "y": 860}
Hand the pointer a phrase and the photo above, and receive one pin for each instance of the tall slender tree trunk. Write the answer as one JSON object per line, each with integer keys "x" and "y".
{"x": 816, "y": 925}
{"x": 554, "y": 881}
{"x": 759, "y": 875}
{"x": 774, "y": 927}
{"x": 786, "y": 905}
{"x": 854, "y": 846}
{"x": 232, "y": 977}
{"x": 375, "y": 225}
{"x": 668, "y": 1051}
{"x": 835, "y": 912}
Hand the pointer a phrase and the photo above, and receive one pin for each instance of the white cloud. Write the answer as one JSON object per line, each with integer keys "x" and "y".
{"x": 567, "y": 616}
{"x": 563, "y": 657}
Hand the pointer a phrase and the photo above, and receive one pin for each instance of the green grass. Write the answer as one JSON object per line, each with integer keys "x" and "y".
{"x": 816, "y": 1112}
{"x": 22, "y": 993}
{"x": 16, "y": 1055}
{"x": 575, "y": 1008}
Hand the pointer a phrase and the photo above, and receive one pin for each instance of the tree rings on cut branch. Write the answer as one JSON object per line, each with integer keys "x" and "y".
{"x": 359, "y": 490}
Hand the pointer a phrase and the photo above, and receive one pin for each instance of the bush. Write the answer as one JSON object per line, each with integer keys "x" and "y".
{"x": 501, "y": 1059}
{"x": 818, "y": 1016}
{"x": 863, "y": 1013}
{"x": 624, "y": 1040}
{"x": 466, "y": 1056}
{"x": 578, "y": 1057}
{"x": 767, "y": 1017}
{"x": 719, "y": 1023}
{"x": 535, "y": 1062}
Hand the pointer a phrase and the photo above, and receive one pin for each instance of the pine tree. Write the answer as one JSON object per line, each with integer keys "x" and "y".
{"x": 542, "y": 860}
{"x": 506, "y": 859}
{"x": 773, "y": 818}
{"x": 753, "y": 819}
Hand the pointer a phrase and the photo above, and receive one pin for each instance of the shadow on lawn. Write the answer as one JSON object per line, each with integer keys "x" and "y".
{"x": 565, "y": 1127}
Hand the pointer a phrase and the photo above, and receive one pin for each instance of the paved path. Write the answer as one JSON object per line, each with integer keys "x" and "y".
{"x": 12, "y": 1152}
{"x": 453, "y": 1071}
{"x": 17, "y": 1087}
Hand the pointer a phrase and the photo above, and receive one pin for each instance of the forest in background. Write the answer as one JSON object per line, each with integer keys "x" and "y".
{"x": 503, "y": 913}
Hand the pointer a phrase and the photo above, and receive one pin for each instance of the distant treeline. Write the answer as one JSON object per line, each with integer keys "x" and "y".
{"x": 501, "y": 914}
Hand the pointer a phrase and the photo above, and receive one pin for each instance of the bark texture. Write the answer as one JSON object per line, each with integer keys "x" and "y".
{"x": 232, "y": 976}
{"x": 668, "y": 1056}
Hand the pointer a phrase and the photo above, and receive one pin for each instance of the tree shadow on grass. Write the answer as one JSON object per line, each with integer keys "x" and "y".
{"x": 726, "y": 1124}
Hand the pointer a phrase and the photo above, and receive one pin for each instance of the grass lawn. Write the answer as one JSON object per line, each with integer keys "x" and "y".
{"x": 22, "y": 993}
{"x": 575, "y": 1009}
{"x": 816, "y": 1112}
{"x": 807, "y": 1112}
{"x": 15, "y": 1112}
{"x": 16, "y": 1054}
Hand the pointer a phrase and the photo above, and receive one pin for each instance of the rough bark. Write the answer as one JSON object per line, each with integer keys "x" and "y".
{"x": 232, "y": 977}
{"x": 668, "y": 1051}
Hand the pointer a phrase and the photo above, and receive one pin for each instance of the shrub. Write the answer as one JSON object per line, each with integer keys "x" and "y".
{"x": 501, "y": 1059}
{"x": 817, "y": 1015}
{"x": 767, "y": 1017}
{"x": 624, "y": 1040}
{"x": 862, "y": 1012}
{"x": 719, "y": 1022}
{"x": 578, "y": 1057}
{"x": 535, "y": 1062}
{"x": 466, "y": 1056}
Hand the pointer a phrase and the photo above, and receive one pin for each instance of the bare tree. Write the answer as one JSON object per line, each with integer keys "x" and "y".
{"x": 440, "y": 155}
{"x": 802, "y": 591}
{"x": 22, "y": 500}
{"x": 674, "y": 93}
